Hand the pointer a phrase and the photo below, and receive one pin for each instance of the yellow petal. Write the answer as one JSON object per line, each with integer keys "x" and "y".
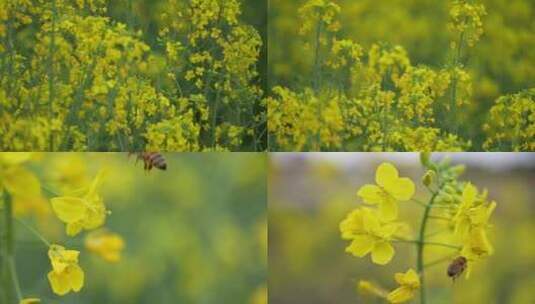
{"x": 469, "y": 195}
{"x": 409, "y": 278}
{"x": 388, "y": 209}
{"x": 386, "y": 174}
{"x": 400, "y": 295}
{"x": 401, "y": 189}
{"x": 95, "y": 184}
{"x": 352, "y": 225}
{"x": 14, "y": 158}
{"x": 71, "y": 256}
{"x": 30, "y": 301}
{"x": 462, "y": 227}
{"x": 22, "y": 183}
{"x": 468, "y": 270}
{"x": 59, "y": 282}
{"x": 74, "y": 228}
{"x": 370, "y": 194}
{"x": 361, "y": 245}
{"x": 412, "y": 278}
{"x": 76, "y": 277}
{"x": 95, "y": 217}
{"x": 479, "y": 242}
{"x": 68, "y": 209}
{"x": 382, "y": 253}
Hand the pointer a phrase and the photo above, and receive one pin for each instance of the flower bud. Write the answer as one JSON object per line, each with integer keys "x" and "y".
{"x": 458, "y": 170}
{"x": 449, "y": 189}
{"x": 425, "y": 158}
{"x": 428, "y": 178}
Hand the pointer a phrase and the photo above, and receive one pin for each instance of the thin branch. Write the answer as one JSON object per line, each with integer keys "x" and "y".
{"x": 441, "y": 260}
{"x": 34, "y": 232}
{"x": 14, "y": 276}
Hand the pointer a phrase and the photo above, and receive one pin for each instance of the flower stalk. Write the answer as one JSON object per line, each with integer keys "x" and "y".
{"x": 421, "y": 243}
{"x": 51, "y": 88}
{"x": 7, "y": 248}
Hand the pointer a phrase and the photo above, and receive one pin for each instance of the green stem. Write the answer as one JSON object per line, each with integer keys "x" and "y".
{"x": 10, "y": 51}
{"x": 440, "y": 218}
{"x": 214, "y": 119}
{"x": 7, "y": 248}
{"x": 453, "y": 96}
{"x": 417, "y": 242}
{"x": 34, "y": 232}
{"x": 318, "y": 80}
{"x": 50, "y": 191}
{"x": 317, "y": 58}
{"x": 15, "y": 277}
{"x": 420, "y": 247}
{"x": 51, "y": 91}
{"x": 418, "y": 202}
{"x": 441, "y": 260}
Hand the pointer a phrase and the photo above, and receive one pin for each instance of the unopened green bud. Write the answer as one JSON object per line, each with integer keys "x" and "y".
{"x": 428, "y": 178}
{"x": 446, "y": 198}
{"x": 445, "y": 162}
{"x": 449, "y": 189}
{"x": 425, "y": 158}
{"x": 458, "y": 170}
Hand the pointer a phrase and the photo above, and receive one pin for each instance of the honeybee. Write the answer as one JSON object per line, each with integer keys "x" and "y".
{"x": 152, "y": 160}
{"x": 457, "y": 267}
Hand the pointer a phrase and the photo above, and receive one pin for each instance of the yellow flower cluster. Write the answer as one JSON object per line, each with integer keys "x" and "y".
{"x": 511, "y": 123}
{"x": 83, "y": 81}
{"x": 373, "y": 101}
{"x": 216, "y": 72}
{"x": 387, "y": 102}
{"x": 80, "y": 207}
{"x": 466, "y": 20}
{"x": 302, "y": 121}
{"x": 372, "y": 230}
{"x": 466, "y": 212}
{"x": 317, "y": 14}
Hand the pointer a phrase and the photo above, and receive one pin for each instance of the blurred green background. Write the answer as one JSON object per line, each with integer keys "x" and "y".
{"x": 309, "y": 194}
{"x": 196, "y": 233}
{"x": 502, "y": 62}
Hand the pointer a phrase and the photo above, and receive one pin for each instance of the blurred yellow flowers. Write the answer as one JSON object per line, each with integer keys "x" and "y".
{"x": 30, "y": 301}
{"x": 390, "y": 188}
{"x": 66, "y": 274}
{"x": 86, "y": 211}
{"x": 106, "y": 245}
{"x": 369, "y": 234}
{"x": 18, "y": 181}
{"x": 471, "y": 223}
{"x": 409, "y": 283}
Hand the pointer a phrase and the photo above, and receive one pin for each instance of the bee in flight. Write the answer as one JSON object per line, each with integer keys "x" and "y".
{"x": 152, "y": 160}
{"x": 457, "y": 267}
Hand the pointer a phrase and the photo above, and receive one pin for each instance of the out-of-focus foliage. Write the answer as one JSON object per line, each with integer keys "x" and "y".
{"x": 166, "y": 75}
{"x": 309, "y": 196}
{"x": 195, "y": 233}
{"x": 398, "y": 75}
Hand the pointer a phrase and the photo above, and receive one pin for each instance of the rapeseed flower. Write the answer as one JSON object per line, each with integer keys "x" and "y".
{"x": 83, "y": 209}
{"x": 409, "y": 283}
{"x": 19, "y": 182}
{"x": 66, "y": 274}
{"x": 369, "y": 234}
{"x": 106, "y": 245}
{"x": 389, "y": 190}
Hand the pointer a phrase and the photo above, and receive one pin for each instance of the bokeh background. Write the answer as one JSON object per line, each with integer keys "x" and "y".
{"x": 196, "y": 233}
{"x": 310, "y": 193}
{"x": 502, "y": 62}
